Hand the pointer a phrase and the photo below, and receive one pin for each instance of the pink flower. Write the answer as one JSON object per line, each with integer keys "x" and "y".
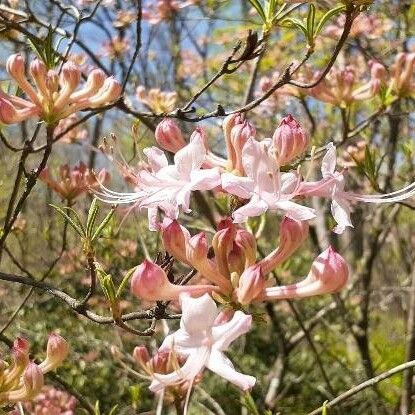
{"x": 203, "y": 344}
{"x": 168, "y": 187}
{"x": 265, "y": 187}
{"x": 169, "y": 136}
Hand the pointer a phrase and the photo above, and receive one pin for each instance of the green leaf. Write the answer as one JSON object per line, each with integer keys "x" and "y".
{"x": 103, "y": 224}
{"x": 249, "y": 404}
{"x": 124, "y": 282}
{"x": 112, "y": 412}
{"x": 324, "y": 412}
{"x": 92, "y": 215}
{"x": 259, "y": 8}
{"x": 327, "y": 17}
{"x": 311, "y": 17}
{"x": 294, "y": 22}
{"x": 76, "y": 226}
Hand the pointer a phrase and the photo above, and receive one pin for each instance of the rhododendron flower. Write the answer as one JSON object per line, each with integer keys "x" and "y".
{"x": 73, "y": 182}
{"x": 164, "y": 9}
{"x": 403, "y": 78}
{"x": 265, "y": 186}
{"x": 203, "y": 344}
{"x": 168, "y": 187}
{"x": 74, "y": 134}
{"x": 116, "y": 47}
{"x": 332, "y": 186}
{"x": 54, "y": 96}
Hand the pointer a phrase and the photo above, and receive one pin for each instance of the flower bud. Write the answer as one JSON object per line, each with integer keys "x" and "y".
{"x": 175, "y": 238}
{"x": 56, "y": 351}
{"x": 222, "y": 244}
{"x": 289, "y": 140}
{"x": 150, "y": 283}
{"x": 251, "y": 284}
{"x": 328, "y": 274}
{"x": 8, "y": 113}
{"x": 108, "y": 93}
{"x": 227, "y": 126}
{"x": 240, "y": 134}
{"x": 70, "y": 75}
{"x": 32, "y": 380}
{"x": 169, "y": 136}
{"x": 141, "y": 355}
{"x": 16, "y": 68}
{"x": 292, "y": 235}
{"x": 197, "y": 252}
{"x": 247, "y": 242}
{"x": 200, "y": 133}
{"x": 39, "y": 72}
{"x": 94, "y": 82}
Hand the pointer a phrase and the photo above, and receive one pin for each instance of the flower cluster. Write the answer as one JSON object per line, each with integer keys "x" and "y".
{"x": 22, "y": 380}
{"x": 74, "y": 181}
{"x": 53, "y": 94}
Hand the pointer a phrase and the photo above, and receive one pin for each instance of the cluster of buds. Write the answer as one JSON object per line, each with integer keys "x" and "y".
{"x": 74, "y": 182}
{"x": 51, "y": 401}
{"x": 22, "y": 380}
{"x": 341, "y": 87}
{"x": 233, "y": 269}
{"x": 156, "y": 100}
{"x": 54, "y": 95}
{"x": 164, "y": 362}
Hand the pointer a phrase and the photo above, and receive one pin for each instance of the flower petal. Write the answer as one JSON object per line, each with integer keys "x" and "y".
{"x": 205, "y": 179}
{"x": 340, "y": 209}
{"x": 328, "y": 164}
{"x": 194, "y": 364}
{"x": 156, "y": 158}
{"x": 198, "y": 314}
{"x": 255, "y": 207}
{"x": 223, "y": 367}
{"x": 190, "y": 157}
{"x": 294, "y": 210}
{"x": 238, "y": 186}
{"x": 226, "y": 333}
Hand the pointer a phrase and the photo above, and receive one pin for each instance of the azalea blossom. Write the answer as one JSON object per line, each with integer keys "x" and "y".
{"x": 265, "y": 186}
{"x": 203, "y": 344}
{"x": 168, "y": 187}
{"x": 332, "y": 186}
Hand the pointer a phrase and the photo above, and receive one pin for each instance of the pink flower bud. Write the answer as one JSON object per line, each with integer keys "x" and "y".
{"x": 16, "y": 68}
{"x": 108, "y": 93}
{"x": 200, "y": 133}
{"x": 240, "y": 134}
{"x": 222, "y": 244}
{"x": 160, "y": 362}
{"x": 175, "y": 238}
{"x": 227, "y": 126}
{"x": 328, "y": 274}
{"x": 169, "y": 136}
{"x": 39, "y": 73}
{"x": 247, "y": 242}
{"x": 9, "y": 114}
{"x": 251, "y": 284}
{"x": 197, "y": 251}
{"x": 150, "y": 283}
{"x": 289, "y": 140}
{"x": 32, "y": 380}
{"x": 56, "y": 351}
{"x": 141, "y": 355}
{"x": 94, "y": 82}
{"x": 70, "y": 75}
{"x": 292, "y": 235}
